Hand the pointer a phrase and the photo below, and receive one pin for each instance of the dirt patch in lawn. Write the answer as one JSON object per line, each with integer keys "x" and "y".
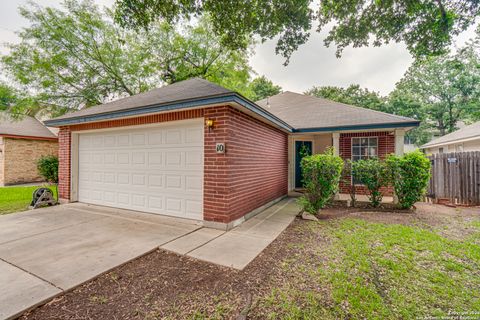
{"x": 164, "y": 285}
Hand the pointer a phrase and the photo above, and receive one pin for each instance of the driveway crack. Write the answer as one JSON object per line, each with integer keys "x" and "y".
{"x": 32, "y": 274}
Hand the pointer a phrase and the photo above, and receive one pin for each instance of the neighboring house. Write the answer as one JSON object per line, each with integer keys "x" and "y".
{"x": 22, "y": 143}
{"x": 198, "y": 151}
{"x": 462, "y": 140}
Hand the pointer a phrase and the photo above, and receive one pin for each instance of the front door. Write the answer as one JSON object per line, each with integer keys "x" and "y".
{"x": 302, "y": 148}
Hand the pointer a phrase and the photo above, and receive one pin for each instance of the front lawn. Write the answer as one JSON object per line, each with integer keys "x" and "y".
{"x": 13, "y": 199}
{"x": 350, "y": 265}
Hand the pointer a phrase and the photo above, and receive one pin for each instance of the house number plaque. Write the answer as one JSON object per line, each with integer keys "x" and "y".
{"x": 220, "y": 147}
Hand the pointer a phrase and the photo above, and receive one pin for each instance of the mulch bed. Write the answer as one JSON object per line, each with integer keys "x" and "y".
{"x": 166, "y": 285}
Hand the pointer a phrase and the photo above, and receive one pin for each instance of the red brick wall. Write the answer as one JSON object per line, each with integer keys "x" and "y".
{"x": 386, "y": 146}
{"x": 252, "y": 172}
{"x": 64, "y": 141}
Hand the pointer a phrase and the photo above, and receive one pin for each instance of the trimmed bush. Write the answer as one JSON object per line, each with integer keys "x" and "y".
{"x": 409, "y": 175}
{"x": 321, "y": 176}
{"x": 48, "y": 168}
{"x": 372, "y": 173}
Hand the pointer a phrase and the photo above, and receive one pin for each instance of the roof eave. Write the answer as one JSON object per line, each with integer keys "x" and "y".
{"x": 187, "y": 104}
{"x": 16, "y": 136}
{"x": 448, "y": 142}
{"x": 404, "y": 124}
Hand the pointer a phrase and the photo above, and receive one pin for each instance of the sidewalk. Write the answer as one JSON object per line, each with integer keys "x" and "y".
{"x": 238, "y": 247}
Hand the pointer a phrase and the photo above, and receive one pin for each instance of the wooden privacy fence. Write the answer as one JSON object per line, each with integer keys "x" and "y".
{"x": 456, "y": 176}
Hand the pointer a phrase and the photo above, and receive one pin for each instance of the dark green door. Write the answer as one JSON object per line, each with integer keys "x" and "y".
{"x": 306, "y": 146}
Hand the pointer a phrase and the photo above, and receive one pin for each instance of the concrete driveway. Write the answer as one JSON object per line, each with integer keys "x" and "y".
{"x": 46, "y": 251}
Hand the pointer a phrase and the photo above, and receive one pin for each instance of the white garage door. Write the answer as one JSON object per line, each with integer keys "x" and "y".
{"x": 157, "y": 169}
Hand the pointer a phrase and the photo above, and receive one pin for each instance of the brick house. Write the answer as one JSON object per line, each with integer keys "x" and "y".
{"x": 198, "y": 151}
{"x": 22, "y": 143}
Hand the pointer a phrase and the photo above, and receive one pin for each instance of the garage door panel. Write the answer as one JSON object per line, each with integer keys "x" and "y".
{"x": 153, "y": 169}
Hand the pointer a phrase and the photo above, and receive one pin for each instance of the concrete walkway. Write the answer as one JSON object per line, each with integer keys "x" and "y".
{"x": 239, "y": 246}
{"x": 47, "y": 251}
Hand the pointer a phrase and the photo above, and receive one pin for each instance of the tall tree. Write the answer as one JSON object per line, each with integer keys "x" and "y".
{"x": 353, "y": 94}
{"x": 446, "y": 89}
{"x": 426, "y": 26}
{"x": 78, "y": 57}
{"x": 262, "y": 88}
{"x": 16, "y": 102}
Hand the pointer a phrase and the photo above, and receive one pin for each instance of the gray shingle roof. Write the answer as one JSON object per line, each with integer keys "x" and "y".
{"x": 27, "y": 126}
{"x": 180, "y": 91}
{"x": 470, "y": 131}
{"x": 305, "y": 111}
{"x": 293, "y": 110}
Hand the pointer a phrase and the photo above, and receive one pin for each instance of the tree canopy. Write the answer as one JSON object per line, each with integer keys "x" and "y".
{"x": 262, "y": 88}
{"x": 439, "y": 91}
{"x": 353, "y": 94}
{"x": 427, "y": 27}
{"x": 77, "y": 57}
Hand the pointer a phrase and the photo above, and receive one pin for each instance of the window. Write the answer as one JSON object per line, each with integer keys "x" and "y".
{"x": 364, "y": 148}
{"x": 440, "y": 150}
{"x": 459, "y": 148}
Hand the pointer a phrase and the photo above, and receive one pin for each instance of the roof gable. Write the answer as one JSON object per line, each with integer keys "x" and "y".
{"x": 305, "y": 112}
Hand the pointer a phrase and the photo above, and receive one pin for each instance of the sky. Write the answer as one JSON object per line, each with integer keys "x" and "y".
{"x": 375, "y": 68}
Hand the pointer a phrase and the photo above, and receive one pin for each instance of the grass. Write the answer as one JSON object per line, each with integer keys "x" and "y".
{"x": 13, "y": 199}
{"x": 372, "y": 270}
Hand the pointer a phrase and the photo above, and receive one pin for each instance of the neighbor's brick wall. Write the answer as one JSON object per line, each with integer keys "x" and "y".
{"x": 252, "y": 172}
{"x": 386, "y": 146}
{"x": 21, "y": 156}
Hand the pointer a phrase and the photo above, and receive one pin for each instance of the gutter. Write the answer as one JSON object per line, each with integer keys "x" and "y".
{"x": 188, "y": 104}
{"x": 13, "y": 136}
{"x": 361, "y": 127}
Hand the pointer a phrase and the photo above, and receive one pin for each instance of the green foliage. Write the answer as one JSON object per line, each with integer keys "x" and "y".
{"x": 48, "y": 168}
{"x": 78, "y": 57}
{"x": 14, "y": 199}
{"x": 321, "y": 177}
{"x": 427, "y": 27}
{"x": 409, "y": 174}
{"x": 373, "y": 174}
{"x": 262, "y": 88}
{"x": 353, "y": 95}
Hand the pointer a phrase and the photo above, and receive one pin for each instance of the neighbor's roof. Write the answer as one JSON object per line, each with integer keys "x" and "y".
{"x": 309, "y": 113}
{"x": 180, "y": 95}
{"x": 468, "y": 132}
{"x": 24, "y": 127}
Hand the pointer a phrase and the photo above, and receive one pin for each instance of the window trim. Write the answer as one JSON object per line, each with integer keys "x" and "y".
{"x": 351, "y": 145}
{"x": 351, "y": 154}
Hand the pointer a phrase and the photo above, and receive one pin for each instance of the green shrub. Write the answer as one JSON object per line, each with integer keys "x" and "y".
{"x": 48, "y": 168}
{"x": 321, "y": 176}
{"x": 372, "y": 174}
{"x": 409, "y": 175}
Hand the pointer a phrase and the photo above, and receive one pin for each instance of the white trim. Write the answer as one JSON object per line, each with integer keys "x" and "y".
{"x": 351, "y": 144}
{"x": 74, "y": 167}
